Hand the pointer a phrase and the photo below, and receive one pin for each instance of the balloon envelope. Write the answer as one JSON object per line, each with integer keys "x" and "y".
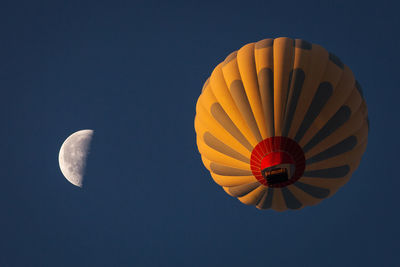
{"x": 281, "y": 124}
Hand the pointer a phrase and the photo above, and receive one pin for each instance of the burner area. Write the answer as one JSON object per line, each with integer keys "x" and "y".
{"x": 277, "y": 161}
{"x": 275, "y": 176}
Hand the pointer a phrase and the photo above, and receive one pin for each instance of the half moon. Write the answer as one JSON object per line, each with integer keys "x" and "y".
{"x": 73, "y": 155}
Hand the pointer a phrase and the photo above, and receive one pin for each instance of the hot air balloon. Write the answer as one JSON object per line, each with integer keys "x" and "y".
{"x": 281, "y": 124}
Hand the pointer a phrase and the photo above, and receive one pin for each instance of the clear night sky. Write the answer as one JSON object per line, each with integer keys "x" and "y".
{"x": 132, "y": 71}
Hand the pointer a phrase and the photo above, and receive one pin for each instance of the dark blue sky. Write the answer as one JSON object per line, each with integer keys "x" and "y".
{"x": 133, "y": 71}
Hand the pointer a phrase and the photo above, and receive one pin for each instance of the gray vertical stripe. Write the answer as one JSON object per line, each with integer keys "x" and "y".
{"x": 219, "y": 146}
{"x": 266, "y": 200}
{"x": 340, "y": 117}
{"x": 336, "y": 172}
{"x": 241, "y": 190}
{"x": 228, "y": 171}
{"x": 344, "y": 146}
{"x": 302, "y": 44}
{"x": 336, "y": 60}
{"x": 223, "y": 119}
{"x": 294, "y": 94}
{"x": 317, "y": 192}
{"x": 266, "y": 85}
{"x": 291, "y": 201}
{"x": 322, "y": 95}
{"x": 239, "y": 95}
{"x": 264, "y": 43}
{"x": 285, "y": 103}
